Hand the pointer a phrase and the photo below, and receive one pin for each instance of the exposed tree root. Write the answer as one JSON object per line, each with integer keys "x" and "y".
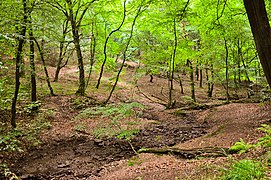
{"x": 189, "y": 153}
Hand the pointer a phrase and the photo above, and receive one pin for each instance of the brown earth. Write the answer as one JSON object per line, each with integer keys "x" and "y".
{"x": 68, "y": 152}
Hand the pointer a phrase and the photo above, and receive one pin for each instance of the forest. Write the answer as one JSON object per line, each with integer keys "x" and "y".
{"x": 126, "y": 89}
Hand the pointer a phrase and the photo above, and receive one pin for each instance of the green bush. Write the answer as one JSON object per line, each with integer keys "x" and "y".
{"x": 245, "y": 170}
{"x": 241, "y": 147}
{"x": 266, "y": 140}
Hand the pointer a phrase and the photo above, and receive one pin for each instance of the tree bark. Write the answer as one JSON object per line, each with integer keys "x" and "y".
{"x": 189, "y": 153}
{"x": 139, "y": 11}
{"x": 32, "y": 65}
{"x": 200, "y": 77}
{"x": 106, "y": 41}
{"x": 62, "y": 50}
{"x": 172, "y": 67}
{"x": 227, "y": 69}
{"x": 21, "y": 42}
{"x": 193, "y": 96}
{"x": 45, "y": 69}
{"x": 261, "y": 31}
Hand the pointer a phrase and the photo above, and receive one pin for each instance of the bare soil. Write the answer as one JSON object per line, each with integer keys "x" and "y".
{"x": 70, "y": 153}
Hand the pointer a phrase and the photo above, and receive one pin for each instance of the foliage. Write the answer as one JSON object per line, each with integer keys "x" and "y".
{"x": 266, "y": 140}
{"x": 32, "y": 107}
{"x": 114, "y": 111}
{"x": 115, "y": 114}
{"x": 9, "y": 141}
{"x": 241, "y": 147}
{"x": 245, "y": 170}
{"x": 127, "y": 134}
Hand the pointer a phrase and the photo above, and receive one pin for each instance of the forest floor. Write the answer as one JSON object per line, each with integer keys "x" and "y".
{"x": 71, "y": 149}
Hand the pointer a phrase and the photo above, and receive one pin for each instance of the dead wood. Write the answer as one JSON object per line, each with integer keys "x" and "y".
{"x": 189, "y": 153}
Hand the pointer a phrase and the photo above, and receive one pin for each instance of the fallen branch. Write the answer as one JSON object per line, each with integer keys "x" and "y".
{"x": 189, "y": 153}
{"x": 164, "y": 104}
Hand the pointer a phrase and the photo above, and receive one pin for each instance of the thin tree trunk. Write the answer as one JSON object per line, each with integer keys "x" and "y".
{"x": 76, "y": 40}
{"x": 105, "y": 44}
{"x": 92, "y": 53}
{"x": 45, "y": 68}
{"x": 239, "y": 51}
{"x": 151, "y": 78}
{"x": 227, "y": 70}
{"x": 261, "y": 31}
{"x": 245, "y": 67}
{"x": 200, "y": 78}
{"x": 193, "y": 96}
{"x": 21, "y": 42}
{"x": 181, "y": 84}
{"x": 32, "y": 64}
{"x": 61, "y": 50}
{"x": 124, "y": 54}
{"x": 197, "y": 72}
{"x": 208, "y": 81}
{"x": 171, "y": 76}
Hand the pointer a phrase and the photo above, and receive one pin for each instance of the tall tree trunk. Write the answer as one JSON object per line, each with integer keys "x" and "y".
{"x": 124, "y": 54}
{"x": 32, "y": 64}
{"x": 21, "y": 42}
{"x": 105, "y": 44}
{"x": 62, "y": 50}
{"x": 76, "y": 41}
{"x": 171, "y": 76}
{"x": 181, "y": 84}
{"x": 239, "y": 52}
{"x": 197, "y": 72}
{"x": 92, "y": 53}
{"x": 227, "y": 70}
{"x": 260, "y": 27}
{"x": 200, "y": 77}
{"x": 189, "y": 64}
{"x": 45, "y": 68}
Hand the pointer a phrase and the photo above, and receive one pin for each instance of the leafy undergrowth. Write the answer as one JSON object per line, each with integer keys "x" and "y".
{"x": 255, "y": 167}
{"x": 115, "y": 120}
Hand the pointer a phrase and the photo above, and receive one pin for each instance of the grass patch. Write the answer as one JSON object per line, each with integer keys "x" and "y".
{"x": 134, "y": 161}
{"x": 116, "y": 120}
{"x": 245, "y": 170}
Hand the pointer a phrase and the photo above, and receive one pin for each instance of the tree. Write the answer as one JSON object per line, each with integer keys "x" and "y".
{"x": 21, "y": 41}
{"x": 74, "y": 11}
{"x": 261, "y": 31}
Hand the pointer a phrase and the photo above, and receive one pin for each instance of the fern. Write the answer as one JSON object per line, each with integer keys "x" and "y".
{"x": 241, "y": 147}
{"x": 266, "y": 140}
{"x": 115, "y": 112}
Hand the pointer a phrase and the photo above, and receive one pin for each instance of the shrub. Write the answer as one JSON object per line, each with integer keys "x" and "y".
{"x": 245, "y": 170}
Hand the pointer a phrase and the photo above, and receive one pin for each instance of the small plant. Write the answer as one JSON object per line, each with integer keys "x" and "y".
{"x": 245, "y": 170}
{"x": 266, "y": 140}
{"x": 9, "y": 141}
{"x": 187, "y": 100}
{"x": 116, "y": 113}
{"x": 32, "y": 107}
{"x": 127, "y": 134}
{"x": 134, "y": 160}
{"x": 5, "y": 171}
{"x": 241, "y": 147}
